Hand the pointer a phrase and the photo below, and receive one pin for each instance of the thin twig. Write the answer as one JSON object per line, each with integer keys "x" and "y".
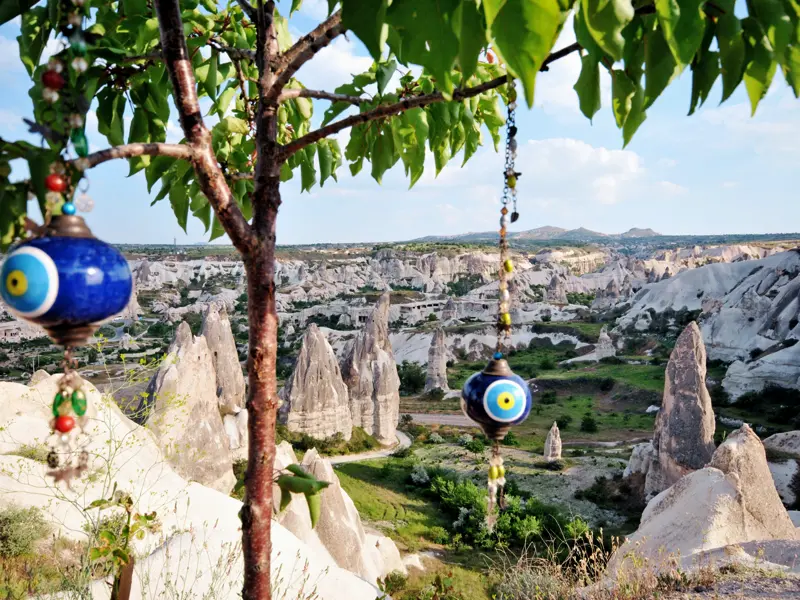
{"x": 321, "y": 95}
{"x": 304, "y": 42}
{"x": 179, "y": 151}
{"x": 242, "y": 82}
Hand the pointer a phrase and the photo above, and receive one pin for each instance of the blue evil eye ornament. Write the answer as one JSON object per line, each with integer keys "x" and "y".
{"x": 496, "y": 399}
{"x": 66, "y": 281}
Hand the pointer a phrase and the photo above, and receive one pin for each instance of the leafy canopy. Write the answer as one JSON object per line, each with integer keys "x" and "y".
{"x": 644, "y": 45}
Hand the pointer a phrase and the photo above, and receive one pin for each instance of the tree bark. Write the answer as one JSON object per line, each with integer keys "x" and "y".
{"x": 262, "y": 401}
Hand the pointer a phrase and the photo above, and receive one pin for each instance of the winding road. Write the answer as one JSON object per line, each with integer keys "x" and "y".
{"x": 403, "y": 441}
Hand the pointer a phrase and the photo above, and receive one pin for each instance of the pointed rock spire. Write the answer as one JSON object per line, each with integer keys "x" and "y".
{"x": 437, "y": 363}
{"x": 552, "y": 445}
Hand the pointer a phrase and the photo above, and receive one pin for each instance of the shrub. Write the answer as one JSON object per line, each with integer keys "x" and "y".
{"x": 419, "y": 475}
{"x": 402, "y": 452}
{"x": 432, "y": 317}
{"x": 510, "y": 439}
{"x": 612, "y": 360}
{"x": 552, "y": 465}
{"x": 548, "y": 397}
{"x": 719, "y": 397}
{"x": 435, "y": 395}
{"x": 394, "y": 582}
{"x": 412, "y": 377}
{"x": 563, "y": 421}
{"x": 464, "y": 439}
{"x": 435, "y": 438}
{"x": 607, "y": 384}
{"x": 476, "y": 446}
{"x": 589, "y": 424}
{"x": 547, "y": 364}
{"x": 406, "y": 420}
{"x": 20, "y": 529}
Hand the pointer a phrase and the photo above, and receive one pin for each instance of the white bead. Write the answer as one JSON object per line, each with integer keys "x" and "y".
{"x": 84, "y": 203}
{"x": 513, "y": 144}
{"x": 512, "y": 106}
{"x": 55, "y": 65}
{"x": 82, "y": 164}
{"x": 504, "y": 295}
{"x": 504, "y": 221}
{"x": 75, "y": 121}
{"x": 80, "y": 64}
{"x": 50, "y": 95}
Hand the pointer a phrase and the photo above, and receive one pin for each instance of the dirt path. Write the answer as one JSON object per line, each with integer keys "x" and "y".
{"x": 403, "y": 441}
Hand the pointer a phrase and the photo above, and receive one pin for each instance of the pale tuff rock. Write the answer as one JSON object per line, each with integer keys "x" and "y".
{"x": 38, "y": 376}
{"x": 316, "y": 400}
{"x": 725, "y": 503}
{"x": 641, "y": 459}
{"x": 684, "y": 432}
{"x": 785, "y": 469}
{"x": 184, "y": 415}
{"x": 437, "y": 363}
{"x": 556, "y": 292}
{"x": 200, "y": 527}
{"x": 230, "y": 379}
{"x": 552, "y": 445}
{"x": 450, "y": 310}
{"x": 605, "y": 346}
{"x": 340, "y": 529}
{"x": 236, "y": 428}
{"x": 787, "y": 442}
{"x": 370, "y": 372}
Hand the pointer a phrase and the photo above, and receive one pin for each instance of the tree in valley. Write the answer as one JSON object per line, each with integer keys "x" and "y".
{"x": 151, "y": 58}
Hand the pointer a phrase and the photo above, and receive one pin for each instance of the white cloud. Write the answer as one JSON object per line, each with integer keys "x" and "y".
{"x": 333, "y": 66}
{"x": 671, "y": 189}
{"x": 315, "y": 9}
{"x": 667, "y": 163}
{"x": 730, "y": 184}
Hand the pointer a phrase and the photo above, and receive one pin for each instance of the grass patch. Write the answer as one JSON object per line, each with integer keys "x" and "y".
{"x": 381, "y": 495}
{"x": 645, "y": 377}
{"x": 583, "y": 330}
{"x": 360, "y": 441}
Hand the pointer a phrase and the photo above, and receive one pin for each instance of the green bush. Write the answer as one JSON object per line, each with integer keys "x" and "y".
{"x": 412, "y": 377}
{"x": 432, "y": 317}
{"x": 476, "y": 446}
{"x": 607, "y": 384}
{"x": 548, "y": 397}
{"x": 20, "y": 529}
{"x": 589, "y": 424}
{"x": 563, "y": 421}
{"x": 394, "y": 582}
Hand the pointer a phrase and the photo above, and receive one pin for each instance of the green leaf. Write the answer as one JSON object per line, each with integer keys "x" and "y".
{"x": 10, "y": 9}
{"x": 791, "y": 68}
{"x": 157, "y": 168}
{"x": 605, "y": 20}
{"x": 524, "y": 32}
{"x": 761, "y": 63}
{"x": 286, "y": 499}
{"x": 588, "y": 86}
{"x": 210, "y": 83}
{"x": 34, "y": 33}
{"x": 300, "y": 485}
{"x": 308, "y": 174}
{"x": 224, "y": 100}
{"x": 325, "y": 157}
{"x": 383, "y": 155}
{"x": 660, "y": 66}
{"x": 636, "y": 116}
{"x": 471, "y": 33}
{"x": 39, "y": 167}
{"x": 122, "y": 556}
{"x": 773, "y": 19}
{"x": 217, "y": 230}
{"x": 134, "y": 8}
{"x": 110, "y": 116}
{"x": 140, "y": 130}
{"x": 384, "y": 74}
{"x": 622, "y": 92}
{"x": 296, "y": 4}
{"x": 210, "y": 5}
{"x": 367, "y": 21}
{"x": 305, "y": 107}
{"x": 731, "y": 50}
{"x": 107, "y": 536}
{"x": 234, "y": 125}
{"x": 683, "y": 24}
{"x": 314, "y": 507}
{"x": 13, "y": 210}
{"x": 704, "y": 74}
{"x": 179, "y": 200}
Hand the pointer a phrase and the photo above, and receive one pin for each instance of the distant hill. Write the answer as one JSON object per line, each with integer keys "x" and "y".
{"x": 546, "y": 233}
{"x": 635, "y": 232}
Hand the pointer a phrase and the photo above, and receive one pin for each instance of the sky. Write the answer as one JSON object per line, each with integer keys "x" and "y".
{"x": 718, "y": 171}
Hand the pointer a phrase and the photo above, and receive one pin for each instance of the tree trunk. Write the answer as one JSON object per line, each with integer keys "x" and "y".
{"x": 262, "y": 399}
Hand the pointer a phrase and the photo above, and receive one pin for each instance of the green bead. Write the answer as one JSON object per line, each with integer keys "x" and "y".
{"x": 79, "y": 141}
{"x": 57, "y": 402}
{"x": 78, "y": 45}
{"x": 79, "y": 402}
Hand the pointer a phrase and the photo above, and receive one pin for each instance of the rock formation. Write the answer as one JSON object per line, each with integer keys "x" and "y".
{"x": 450, "y": 311}
{"x": 316, "y": 400}
{"x": 230, "y": 379}
{"x": 236, "y": 428}
{"x": 783, "y": 450}
{"x": 196, "y": 553}
{"x": 552, "y": 445}
{"x": 340, "y": 530}
{"x": 183, "y": 413}
{"x": 787, "y": 443}
{"x": 556, "y": 292}
{"x": 370, "y": 372}
{"x": 437, "y": 363}
{"x": 683, "y": 440}
{"x": 605, "y": 346}
{"x": 723, "y": 504}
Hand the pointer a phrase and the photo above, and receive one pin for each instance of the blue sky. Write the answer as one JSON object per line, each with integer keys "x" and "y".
{"x": 718, "y": 171}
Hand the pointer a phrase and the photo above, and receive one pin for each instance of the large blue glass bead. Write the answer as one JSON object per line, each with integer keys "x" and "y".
{"x": 496, "y": 401}
{"x": 65, "y": 282}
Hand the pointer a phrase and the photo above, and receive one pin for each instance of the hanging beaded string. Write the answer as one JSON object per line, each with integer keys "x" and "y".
{"x": 64, "y": 124}
{"x": 497, "y": 480}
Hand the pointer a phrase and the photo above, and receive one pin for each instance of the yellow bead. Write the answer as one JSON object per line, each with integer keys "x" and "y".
{"x": 501, "y": 471}
{"x": 508, "y": 266}
{"x": 512, "y": 95}
{"x": 493, "y": 472}
{"x": 511, "y": 181}
{"x": 505, "y": 319}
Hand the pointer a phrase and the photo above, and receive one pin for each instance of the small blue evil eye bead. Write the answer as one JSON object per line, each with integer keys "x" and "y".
{"x": 68, "y": 209}
{"x": 29, "y": 282}
{"x": 496, "y": 399}
{"x": 505, "y": 401}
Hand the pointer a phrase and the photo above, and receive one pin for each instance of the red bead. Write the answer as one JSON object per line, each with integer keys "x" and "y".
{"x": 65, "y": 423}
{"x": 53, "y": 80}
{"x": 55, "y": 183}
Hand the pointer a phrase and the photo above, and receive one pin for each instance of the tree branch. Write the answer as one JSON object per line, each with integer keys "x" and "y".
{"x": 406, "y": 104}
{"x": 320, "y": 95}
{"x": 304, "y": 42}
{"x": 180, "y": 151}
{"x": 184, "y": 91}
{"x": 303, "y": 51}
{"x": 247, "y": 9}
